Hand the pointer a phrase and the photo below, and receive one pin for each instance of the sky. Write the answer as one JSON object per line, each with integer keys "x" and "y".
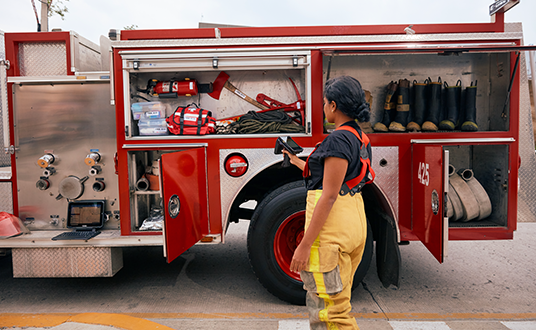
{"x": 93, "y": 18}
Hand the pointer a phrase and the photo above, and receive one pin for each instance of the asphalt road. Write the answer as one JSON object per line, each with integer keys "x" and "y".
{"x": 213, "y": 287}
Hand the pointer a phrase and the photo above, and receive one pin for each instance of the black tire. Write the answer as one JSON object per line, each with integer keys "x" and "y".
{"x": 282, "y": 206}
{"x": 274, "y": 209}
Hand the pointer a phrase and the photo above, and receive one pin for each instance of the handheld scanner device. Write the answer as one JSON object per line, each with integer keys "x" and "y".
{"x": 288, "y": 144}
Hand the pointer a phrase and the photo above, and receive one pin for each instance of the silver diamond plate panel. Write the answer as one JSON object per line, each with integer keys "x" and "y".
{"x": 527, "y": 171}
{"x": 320, "y": 40}
{"x": 5, "y": 159}
{"x": 42, "y": 59}
{"x": 2, "y": 46}
{"x": 515, "y": 27}
{"x": 88, "y": 59}
{"x": 67, "y": 262}
{"x": 385, "y": 165}
{"x": 6, "y": 197}
{"x": 260, "y": 159}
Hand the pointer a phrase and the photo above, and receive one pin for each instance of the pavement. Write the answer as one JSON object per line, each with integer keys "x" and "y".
{"x": 105, "y": 321}
{"x": 482, "y": 285}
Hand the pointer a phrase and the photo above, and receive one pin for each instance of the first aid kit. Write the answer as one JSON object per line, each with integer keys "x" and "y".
{"x": 191, "y": 120}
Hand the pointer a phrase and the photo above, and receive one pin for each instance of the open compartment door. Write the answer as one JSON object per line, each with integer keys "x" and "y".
{"x": 428, "y": 183}
{"x": 184, "y": 192}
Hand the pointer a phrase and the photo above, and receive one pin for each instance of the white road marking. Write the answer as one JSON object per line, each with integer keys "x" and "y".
{"x": 293, "y": 325}
{"x": 413, "y": 325}
{"x": 520, "y": 325}
{"x": 410, "y": 325}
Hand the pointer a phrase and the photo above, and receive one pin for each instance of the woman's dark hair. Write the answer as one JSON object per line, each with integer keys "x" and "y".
{"x": 347, "y": 93}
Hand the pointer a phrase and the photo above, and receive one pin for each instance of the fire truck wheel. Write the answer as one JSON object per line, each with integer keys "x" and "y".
{"x": 274, "y": 232}
{"x": 276, "y": 225}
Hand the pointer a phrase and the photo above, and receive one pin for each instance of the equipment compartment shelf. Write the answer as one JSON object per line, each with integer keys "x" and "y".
{"x": 489, "y": 71}
{"x": 237, "y": 84}
{"x": 484, "y": 169}
{"x": 145, "y": 199}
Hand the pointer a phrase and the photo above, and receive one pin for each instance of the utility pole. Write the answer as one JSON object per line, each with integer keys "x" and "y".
{"x": 44, "y": 15}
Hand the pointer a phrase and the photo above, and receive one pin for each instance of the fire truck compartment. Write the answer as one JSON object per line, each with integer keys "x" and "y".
{"x": 489, "y": 166}
{"x": 257, "y": 76}
{"x": 146, "y": 201}
{"x": 490, "y": 71}
{"x": 65, "y": 133}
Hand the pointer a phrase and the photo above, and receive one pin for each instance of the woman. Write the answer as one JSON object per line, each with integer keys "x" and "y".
{"x": 336, "y": 226}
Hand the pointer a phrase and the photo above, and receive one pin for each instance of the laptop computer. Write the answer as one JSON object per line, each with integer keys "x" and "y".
{"x": 85, "y": 218}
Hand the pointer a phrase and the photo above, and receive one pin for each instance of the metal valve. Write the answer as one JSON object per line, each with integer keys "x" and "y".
{"x": 54, "y": 220}
{"x": 94, "y": 170}
{"x": 42, "y": 183}
{"x": 49, "y": 171}
{"x": 99, "y": 185}
{"x": 92, "y": 159}
{"x": 46, "y": 160}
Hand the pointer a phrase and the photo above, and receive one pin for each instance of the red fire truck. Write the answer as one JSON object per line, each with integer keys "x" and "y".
{"x": 113, "y": 118}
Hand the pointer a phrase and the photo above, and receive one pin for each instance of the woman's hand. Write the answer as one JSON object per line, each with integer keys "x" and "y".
{"x": 300, "y": 258}
{"x": 294, "y": 160}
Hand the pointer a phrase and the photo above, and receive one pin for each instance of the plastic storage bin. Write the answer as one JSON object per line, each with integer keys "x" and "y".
{"x": 148, "y": 110}
{"x": 153, "y": 126}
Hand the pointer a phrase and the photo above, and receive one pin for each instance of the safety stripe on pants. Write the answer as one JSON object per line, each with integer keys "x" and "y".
{"x": 314, "y": 266}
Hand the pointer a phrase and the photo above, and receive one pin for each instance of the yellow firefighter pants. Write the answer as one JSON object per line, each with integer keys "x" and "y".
{"x": 334, "y": 258}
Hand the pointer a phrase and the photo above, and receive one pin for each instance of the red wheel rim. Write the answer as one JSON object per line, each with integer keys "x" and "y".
{"x": 288, "y": 236}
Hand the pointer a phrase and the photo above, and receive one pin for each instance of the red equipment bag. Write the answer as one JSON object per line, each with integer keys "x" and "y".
{"x": 191, "y": 120}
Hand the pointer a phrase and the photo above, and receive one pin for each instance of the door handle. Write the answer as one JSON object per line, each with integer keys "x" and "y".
{"x": 10, "y": 150}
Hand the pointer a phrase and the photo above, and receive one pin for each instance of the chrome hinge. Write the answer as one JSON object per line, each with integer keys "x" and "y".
{"x": 10, "y": 150}
{"x": 6, "y": 63}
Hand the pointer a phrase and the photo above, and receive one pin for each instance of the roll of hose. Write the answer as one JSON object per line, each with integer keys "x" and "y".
{"x": 479, "y": 192}
{"x": 142, "y": 184}
{"x": 457, "y": 207}
{"x": 471, "y": 210}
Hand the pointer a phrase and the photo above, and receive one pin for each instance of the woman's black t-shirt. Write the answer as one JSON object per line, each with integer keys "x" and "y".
{"x": 342, "y": 144}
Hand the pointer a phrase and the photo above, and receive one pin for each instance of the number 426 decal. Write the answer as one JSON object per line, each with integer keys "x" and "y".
{"x": 423, "y": 176}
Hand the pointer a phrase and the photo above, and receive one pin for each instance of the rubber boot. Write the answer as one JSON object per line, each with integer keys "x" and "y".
{"x": 453, "y": 106}
{"x": 402, "y": 107}
{"x": 469, "y": 124}
{"x": 417, "y": 113}
{"x": 388, "y": 108}
{"x": 366, "y": 126}
{"x": 434, "y": 106}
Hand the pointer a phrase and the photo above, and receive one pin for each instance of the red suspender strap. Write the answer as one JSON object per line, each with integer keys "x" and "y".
{"x": 305, "y": 172}
{"x": 365, "y": 162}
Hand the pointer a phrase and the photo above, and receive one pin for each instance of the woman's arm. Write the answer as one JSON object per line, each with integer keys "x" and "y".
{"x": 334, "y": 173}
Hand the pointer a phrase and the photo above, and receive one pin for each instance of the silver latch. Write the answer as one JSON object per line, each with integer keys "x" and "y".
{"x": 409, "y": 30}
{"x": 10, "y": 150}
{"x": 6, "y": 63}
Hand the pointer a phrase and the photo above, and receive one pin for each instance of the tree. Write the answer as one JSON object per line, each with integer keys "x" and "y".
{"x": 57, "y": 7}
{"x": 48, "y": 9}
